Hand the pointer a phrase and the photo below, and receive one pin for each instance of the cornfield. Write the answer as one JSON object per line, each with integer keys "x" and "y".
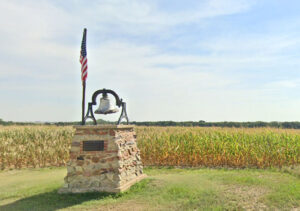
{"x": 40, "y": 146}
{"x": 219, "y": 147}
{"x": 34, "y": 146}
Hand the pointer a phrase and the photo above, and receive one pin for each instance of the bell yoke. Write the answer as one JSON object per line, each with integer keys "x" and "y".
{"x": 105, "y": 106}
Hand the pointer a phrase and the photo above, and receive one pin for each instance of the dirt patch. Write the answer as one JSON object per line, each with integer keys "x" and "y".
{"x": 131, "y": 205}
{"x": 248, "y": 198}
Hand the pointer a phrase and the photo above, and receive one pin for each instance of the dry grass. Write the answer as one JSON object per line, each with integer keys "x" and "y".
{"x": 248, "y": 198}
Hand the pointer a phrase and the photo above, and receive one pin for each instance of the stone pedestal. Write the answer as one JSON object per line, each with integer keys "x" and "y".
{"x": 103, "y": 158}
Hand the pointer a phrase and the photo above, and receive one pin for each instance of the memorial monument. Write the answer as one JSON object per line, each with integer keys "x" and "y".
{"x": 103, "y": 158}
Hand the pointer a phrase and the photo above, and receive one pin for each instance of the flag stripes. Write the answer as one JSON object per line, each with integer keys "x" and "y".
{"x": 83, "y": 57}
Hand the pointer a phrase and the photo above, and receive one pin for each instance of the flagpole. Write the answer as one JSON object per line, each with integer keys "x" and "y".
{"x": 83, "y": 102}
{"x": 83, "y": 61}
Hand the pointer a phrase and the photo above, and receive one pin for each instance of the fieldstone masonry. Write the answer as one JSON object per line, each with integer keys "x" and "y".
{"x": 114, "y": 169}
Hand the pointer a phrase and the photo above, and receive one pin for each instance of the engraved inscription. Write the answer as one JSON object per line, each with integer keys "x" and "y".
{"x": 93, "y": 145}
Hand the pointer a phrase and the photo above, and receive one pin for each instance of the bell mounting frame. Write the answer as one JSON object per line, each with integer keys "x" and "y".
{"x": 119, "y": 103}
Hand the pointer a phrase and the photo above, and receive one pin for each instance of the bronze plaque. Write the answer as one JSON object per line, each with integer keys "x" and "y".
{"x": 93, "y": 145}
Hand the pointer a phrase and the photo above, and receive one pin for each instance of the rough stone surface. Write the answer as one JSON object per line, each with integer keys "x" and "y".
{"x": 114, "y": 169}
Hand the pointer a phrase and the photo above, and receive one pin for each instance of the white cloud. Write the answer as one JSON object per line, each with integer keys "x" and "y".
{"x": 140, "y": 17}
{"x": 41, "y": 49}
{"x": 282, "y": 84}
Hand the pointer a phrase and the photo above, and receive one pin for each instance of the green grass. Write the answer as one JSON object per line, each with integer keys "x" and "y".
{"x": 164, "y": 189}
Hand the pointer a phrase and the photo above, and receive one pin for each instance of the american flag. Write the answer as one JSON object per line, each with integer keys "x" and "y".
{"x": 83, "y": 57}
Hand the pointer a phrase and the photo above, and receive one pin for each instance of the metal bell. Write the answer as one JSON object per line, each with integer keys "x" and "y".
{"x": 105, "y": 106}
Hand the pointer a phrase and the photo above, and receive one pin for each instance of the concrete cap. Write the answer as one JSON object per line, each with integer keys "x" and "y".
{"x": 104, "y": 126}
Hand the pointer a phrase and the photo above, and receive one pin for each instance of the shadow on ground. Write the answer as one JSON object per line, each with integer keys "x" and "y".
{"x": 53, "y": 201}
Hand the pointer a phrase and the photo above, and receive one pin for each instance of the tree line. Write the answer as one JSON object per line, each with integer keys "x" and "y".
{"x": 201, "y": 123}
{"x": 293, "y": 125}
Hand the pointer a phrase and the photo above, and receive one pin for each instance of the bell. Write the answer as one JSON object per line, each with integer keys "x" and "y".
{"x": 105, "y": 106}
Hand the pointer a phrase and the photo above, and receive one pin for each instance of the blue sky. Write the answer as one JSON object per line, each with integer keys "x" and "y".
{"x": 212, "y": 60}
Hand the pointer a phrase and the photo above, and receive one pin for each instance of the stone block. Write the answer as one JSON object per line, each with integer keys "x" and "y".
{"x": 114, "y": 169}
